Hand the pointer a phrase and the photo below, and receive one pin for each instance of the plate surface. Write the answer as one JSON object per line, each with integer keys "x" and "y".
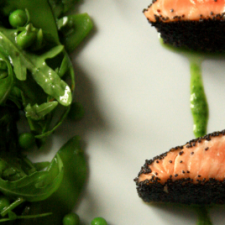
{"x": 136, "y": 97}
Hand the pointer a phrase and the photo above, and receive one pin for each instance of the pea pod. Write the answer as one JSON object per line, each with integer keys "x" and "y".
{"x": 64, "y": 199}
{"x": 59, "y": 7}
{"x": 80, "y": 26}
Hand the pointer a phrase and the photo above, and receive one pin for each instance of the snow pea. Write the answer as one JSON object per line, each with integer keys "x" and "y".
{"x": 64, "y": 199}
{"x": 6, "y": 83}
{"x": 60, "y": 7}
{"x": 74, "y": 30}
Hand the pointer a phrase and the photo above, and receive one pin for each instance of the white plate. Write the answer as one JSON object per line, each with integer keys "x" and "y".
{"x": 136, "y": 97}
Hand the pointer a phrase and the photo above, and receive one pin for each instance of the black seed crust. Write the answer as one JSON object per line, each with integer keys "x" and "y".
{"x": 183, "y": 190}
{"x": 205, "y": 35}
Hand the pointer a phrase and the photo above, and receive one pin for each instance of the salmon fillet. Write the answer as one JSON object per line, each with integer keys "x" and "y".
{"x": 190, "y": 174}
{"x": 194, "y": 24}
{"x": 174, "y": 10}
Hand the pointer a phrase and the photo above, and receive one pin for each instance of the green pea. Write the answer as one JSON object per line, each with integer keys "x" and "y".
{"x": 18, "y": 18}
{"x": 26, "y": 140}
{"x": 4, "y": 202}
{"x": 26, "y": 38}
{"x": 76, "y": 111}
{"x": 98, "y": 221}
{"x": 71, "y": 219}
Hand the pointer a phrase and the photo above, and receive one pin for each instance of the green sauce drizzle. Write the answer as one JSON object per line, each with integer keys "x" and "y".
{"x": 203, "y": 215}
{"x": 198, "y": 102}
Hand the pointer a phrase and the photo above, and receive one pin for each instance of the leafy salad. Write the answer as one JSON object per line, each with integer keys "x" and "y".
{"x": 36, "y": 87}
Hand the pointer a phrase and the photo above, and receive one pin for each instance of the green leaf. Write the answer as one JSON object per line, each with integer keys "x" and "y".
{"x": 37, "y": 186}
{"x": 6, "y": 83}
{"x": 37, "y": 112}
{"x": 59, "y": 122}
{"x": 65, "y": 198}
{"x": 60, "y": 7}
{"x": 45, "y": 76}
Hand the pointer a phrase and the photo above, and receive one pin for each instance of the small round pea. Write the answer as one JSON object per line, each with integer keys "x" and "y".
{"x": 26, "y": 140}
{"x": 98, "y": 221}
{"x": 26, "y": 38}
{"x": 71, "y": 219}
{"x": 76, "y": 111}
{"x": 4, "y": 202}
{"x": 18, "y": 18}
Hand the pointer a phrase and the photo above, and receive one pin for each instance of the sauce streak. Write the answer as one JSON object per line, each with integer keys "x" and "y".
{"x": 203, "y": 216}
{"x": 198, "y": 102}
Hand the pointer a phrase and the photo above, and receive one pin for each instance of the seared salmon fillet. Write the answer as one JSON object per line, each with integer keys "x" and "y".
{"x": 190, "y": 174}
{"x": 195, "y": 24}
{"x": 174, "y": 10}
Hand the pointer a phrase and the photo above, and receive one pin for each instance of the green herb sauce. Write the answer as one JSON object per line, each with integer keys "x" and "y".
{"x": 198, "y": 102}
{"x": 203, "y": 215}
